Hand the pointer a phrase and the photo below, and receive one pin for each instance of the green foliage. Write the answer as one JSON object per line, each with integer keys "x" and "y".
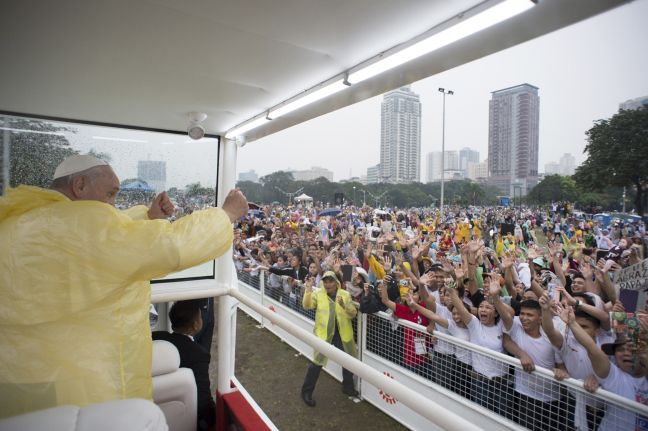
{"x": 33, "y": 157}
{"x": 553, "y": 188}
{"x": 196, "y": 189}
{"x": 128, "y": 181}
{"x": 617, "y": 154}
{"x": 102, "y": 156}
{"x": 462, "y": 192}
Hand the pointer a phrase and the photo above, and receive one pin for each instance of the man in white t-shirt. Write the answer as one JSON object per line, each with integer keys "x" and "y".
{"x": 626, "y": 378}
{"x": 573, "y": 355}
{"x": 537, "y": 398}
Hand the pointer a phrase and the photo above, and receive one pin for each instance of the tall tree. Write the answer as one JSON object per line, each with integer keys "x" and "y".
{"x": 617, "y": 154}
{"x": 553, "y": 188}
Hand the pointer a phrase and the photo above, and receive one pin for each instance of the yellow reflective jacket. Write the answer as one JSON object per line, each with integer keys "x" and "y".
{"x": 324, "y": 326}
{"x": 74, "y": 325}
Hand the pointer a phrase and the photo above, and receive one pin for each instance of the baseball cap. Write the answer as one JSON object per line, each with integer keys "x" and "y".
{"x": 539, "y": 261}
{"x": 609, "y": 348}
{"x": 77, "y": 163}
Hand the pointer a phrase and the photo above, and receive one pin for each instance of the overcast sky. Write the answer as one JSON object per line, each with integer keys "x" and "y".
{"x": 583, "y": 72}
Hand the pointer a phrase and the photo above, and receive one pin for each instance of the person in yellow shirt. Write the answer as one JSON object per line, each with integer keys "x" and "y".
{"x": 74, "y": 282}
{"x": 334, "y": 324}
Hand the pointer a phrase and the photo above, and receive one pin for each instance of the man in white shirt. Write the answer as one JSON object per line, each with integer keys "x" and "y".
{"x": 626, "y": 378}
{"x": 537, "y": 398}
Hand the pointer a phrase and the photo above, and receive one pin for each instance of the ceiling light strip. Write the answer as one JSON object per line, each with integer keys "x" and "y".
{"x": 464, "y": 28}
{"x": 245, "y": 127}
{"x": 308, "y": 99}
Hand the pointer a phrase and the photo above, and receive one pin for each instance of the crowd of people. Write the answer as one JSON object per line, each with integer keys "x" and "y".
{"x": 532, "y": 283}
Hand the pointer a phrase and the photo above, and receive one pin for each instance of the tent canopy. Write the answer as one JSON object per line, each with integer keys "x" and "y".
{"x": 139, "y": 186}
{"x": 303, "y": 197}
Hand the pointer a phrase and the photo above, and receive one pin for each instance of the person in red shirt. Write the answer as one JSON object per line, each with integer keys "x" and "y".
{"x": 416, "y": 343}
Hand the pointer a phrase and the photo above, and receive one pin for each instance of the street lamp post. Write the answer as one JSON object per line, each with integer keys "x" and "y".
{"x": 354, "y": 196}
{"x": 449, "y": 92}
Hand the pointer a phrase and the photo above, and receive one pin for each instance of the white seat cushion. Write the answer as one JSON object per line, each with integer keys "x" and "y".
{"x": 174, "y": 388}
{"x": 125, "y": 415}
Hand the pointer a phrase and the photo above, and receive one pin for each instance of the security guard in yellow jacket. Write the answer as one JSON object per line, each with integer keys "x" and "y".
{"x": 333, "y": 323}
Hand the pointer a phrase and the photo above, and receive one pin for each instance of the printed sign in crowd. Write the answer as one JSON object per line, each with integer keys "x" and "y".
{"x": 632, "y": 283}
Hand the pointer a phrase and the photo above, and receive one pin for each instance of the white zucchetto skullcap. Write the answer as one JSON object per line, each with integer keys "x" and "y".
{"x": 77, "y": 163}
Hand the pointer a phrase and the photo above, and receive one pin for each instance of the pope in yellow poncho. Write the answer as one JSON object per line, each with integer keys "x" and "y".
{"x": 74, "y": 282}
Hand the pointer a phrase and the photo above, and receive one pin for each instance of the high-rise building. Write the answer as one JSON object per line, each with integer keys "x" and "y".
{"x": 513, "y": 139}
{"x": 373, "y": 174}
{"x": 153, "y": 172}
{"x": 249, "y": 176}
{"x": 566, "y": 166}
{"x": 312, "y": 174}
{"x": 400, "y": 138}
{"x": 433, "y": 166}
{"x": 552, "y": 168}
{"x": 478, "y": 171}
{"x": 451, "y": 166}
{"x": 634, "y": 103}
{"x": 466, "y": 156}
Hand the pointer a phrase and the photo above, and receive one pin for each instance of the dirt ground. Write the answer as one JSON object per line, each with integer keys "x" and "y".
{"x": 273, "y": 372}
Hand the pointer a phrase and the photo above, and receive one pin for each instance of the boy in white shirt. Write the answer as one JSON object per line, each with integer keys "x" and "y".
{"x": 537, "y": 399}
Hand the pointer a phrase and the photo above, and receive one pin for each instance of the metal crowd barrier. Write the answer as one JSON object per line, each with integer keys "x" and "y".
{"x": 444, "y": 373}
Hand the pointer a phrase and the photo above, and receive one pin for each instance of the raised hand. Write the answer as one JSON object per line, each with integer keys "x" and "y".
{"x": 426, "y": 279}
{"x": 618, "y": 307}
{"x": 508, "y": 261}
{"x": 494, "y": 288}
{"x": 235, "y": 205}
{"x": 545, "y": 302}
{"x": 446, "y": 266}
{"x": 387, "y": 262}
{"x": 566, "y": 314}
{"x": 161, "y": 207}
{"x": 309, "y": 284}
{"x": 459, "y": 273}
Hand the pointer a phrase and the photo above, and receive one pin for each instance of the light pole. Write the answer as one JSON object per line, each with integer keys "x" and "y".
{"x": 354, "y": 201}
{"x": 449, "y": 92}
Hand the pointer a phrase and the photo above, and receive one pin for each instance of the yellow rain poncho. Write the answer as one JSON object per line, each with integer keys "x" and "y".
{"x": 74, "y": 325}
{"x": 326, "y": 317}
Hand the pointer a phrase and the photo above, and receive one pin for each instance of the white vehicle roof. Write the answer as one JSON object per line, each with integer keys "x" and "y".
{"x": 148, "y": 63}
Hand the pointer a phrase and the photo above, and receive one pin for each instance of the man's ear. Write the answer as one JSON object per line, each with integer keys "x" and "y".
{"x": 78, "y": 186}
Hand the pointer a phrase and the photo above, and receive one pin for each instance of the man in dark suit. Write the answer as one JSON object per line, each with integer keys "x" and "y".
{"x": 186, "y": 322}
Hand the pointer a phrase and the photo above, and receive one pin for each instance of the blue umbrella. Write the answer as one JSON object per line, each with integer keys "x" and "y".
{"x": 330, "y": 212}
{"x": 256, "y": 213}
